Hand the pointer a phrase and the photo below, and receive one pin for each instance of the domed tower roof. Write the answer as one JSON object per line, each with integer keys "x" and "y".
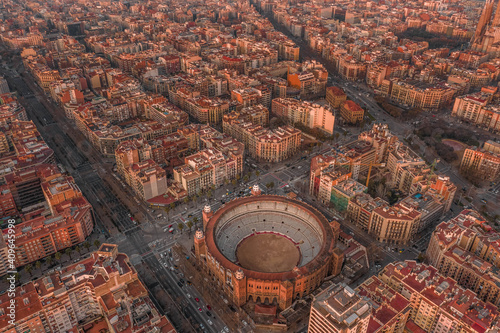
{"x": 256, "y": 190}
{"x": 239, "y": 274}
{"x": 199, "y": 234}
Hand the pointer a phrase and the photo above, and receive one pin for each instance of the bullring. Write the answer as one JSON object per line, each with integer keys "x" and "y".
{"x": 266, "y": 248}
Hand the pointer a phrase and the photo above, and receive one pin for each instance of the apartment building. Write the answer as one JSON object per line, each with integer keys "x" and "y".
{"x": 147, "y": 179}
{"x": 207, "y": 110}
{"x": 328, "y": 178}
{"x": 42, "y": 74}
{"x": 381, "y": 140}
{"x": 52, "y": 211}
{"x": 351, "y": 112}
{"x": 396, "y": 224}
{"x": 10, "y": 110}
{"x": 360, "y": 209}
{"x": 208, "y": 168}
{"x": 167, "y": 114}
{"x": 339, "y": 309}
{"x": 344, "y": 191}
{"x": 402, "y": 163}
{"x": 257, "y": 115}
{"x": 431, "y": 198}
{"x": 483, "y": 163}
{"x": 100, "y": 293}
{"x": 376, "y": 73}
{"x": 421, "y": 94}
{"x": 390, "y": 309}
{"x": 353, "y": 158}
{"x": 476, "y": 109}
{"x": 246, "y": 96}
{"x": 466, "y": 249}
{"x": 263, "y": 144}
{"x": 350, "y": 68}
{"x": 309, "y": 114}
{"x": 24, "y": 147}
{"x": 335, "y": 96}
{"x": 438, "y": 303}
{"x": 106, "y": 137}
{"x": 309, "y": 78}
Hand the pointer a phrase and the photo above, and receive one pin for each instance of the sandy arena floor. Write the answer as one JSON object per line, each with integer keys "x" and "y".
{"x": 268, "y": 253}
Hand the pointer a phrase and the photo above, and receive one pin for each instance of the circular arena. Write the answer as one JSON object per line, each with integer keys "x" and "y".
{"x": 267, "y": 243}
{"x": 254, "y": 221}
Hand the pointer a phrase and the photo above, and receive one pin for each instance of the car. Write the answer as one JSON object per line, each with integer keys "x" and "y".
{"x": 181, "y": 280}
{"x": 189, "y": 283}
{"x": 180, "y": 284}
{"x": 208, "y": 313}
{"x": 176, "y": 267}
{"x": 209, "y": 322}
{"x": 209, "y": 307}
{"x": 197, "y": 299}
{"x": 200, "y": 309}
{"x": 188, "y": 295}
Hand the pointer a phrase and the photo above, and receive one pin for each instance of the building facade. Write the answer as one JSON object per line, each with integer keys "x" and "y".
{"x": 101, "y": 293}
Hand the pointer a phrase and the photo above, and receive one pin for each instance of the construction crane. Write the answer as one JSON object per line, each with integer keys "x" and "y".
{"x": 433, "y": 165}
{"x": 370, "y": 165}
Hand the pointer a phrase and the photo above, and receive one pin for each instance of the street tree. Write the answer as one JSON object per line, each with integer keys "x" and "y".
{"x": 86, "y": 245}
{"x": 49, "y": 260}
{"x": 271, "y": 185}
{"x": 29, "y": 268}
{"x": 78, "y": 249}
{"x": 234, "y": 182}
{"x": 189, "y": 224}
{"x": 195, "y": 220}
{"x": 97, "y": 243}
{"x": 68, "y": 251}
{"x": 38, "y": 264}
{"x": 180, "y": 226}
{"x": 58, "y": 256}
{"x": 257, "y": 173}
{"x": 245, "y": 179}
